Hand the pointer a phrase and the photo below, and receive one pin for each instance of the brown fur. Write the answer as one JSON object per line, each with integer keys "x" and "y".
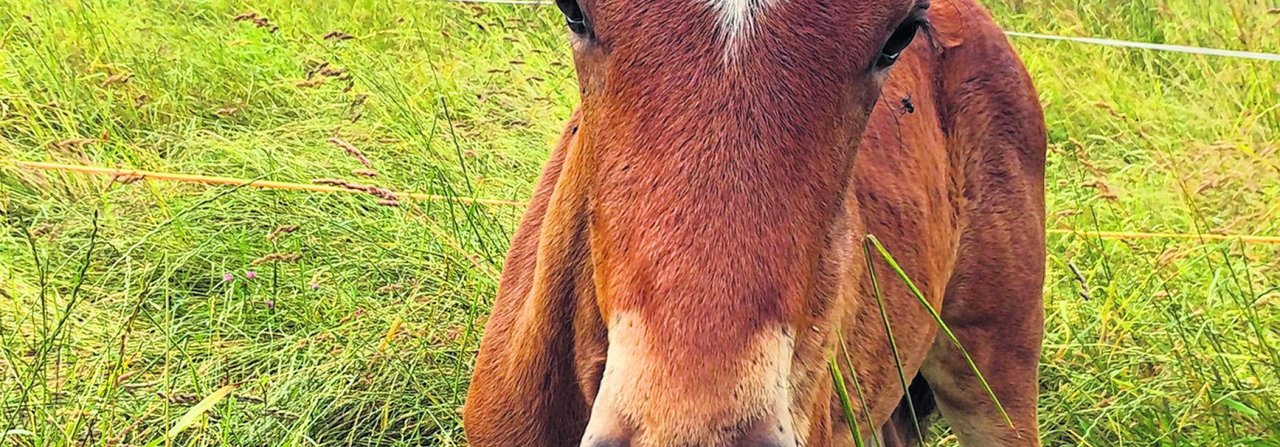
{"x": 698, "y": 209}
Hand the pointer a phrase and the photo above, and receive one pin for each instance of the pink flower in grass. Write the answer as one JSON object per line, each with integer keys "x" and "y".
{"x": 228, "y": 277}
{"x": 250, "y": 274}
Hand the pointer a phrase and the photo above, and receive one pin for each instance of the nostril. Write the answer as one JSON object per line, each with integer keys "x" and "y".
{"x": 770, "y": 432}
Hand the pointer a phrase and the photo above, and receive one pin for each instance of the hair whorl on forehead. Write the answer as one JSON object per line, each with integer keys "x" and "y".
{"x": 737, "y": 18}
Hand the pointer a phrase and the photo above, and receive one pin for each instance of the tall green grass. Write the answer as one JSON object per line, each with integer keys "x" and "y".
{"x": 115, "y": 319}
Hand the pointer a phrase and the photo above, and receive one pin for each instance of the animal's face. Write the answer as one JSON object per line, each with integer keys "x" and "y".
{"x": 719, "y": 136}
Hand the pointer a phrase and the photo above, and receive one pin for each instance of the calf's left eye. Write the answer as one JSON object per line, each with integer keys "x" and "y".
{"x": 898, "y": 42}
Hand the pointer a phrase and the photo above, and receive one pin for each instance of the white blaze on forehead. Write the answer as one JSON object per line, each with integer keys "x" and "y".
{"x": 738, "y": 19}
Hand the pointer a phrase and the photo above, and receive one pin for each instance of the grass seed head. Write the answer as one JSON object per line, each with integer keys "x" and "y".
{"x": 281, "y": 230}
{"x": 74, "y": 143}
{"x": 312, "y": 72}
{"x": 118, "y": 78}
{"x": 352, "y": 150}
{"x": 179, "y": 398}
{"x": 337, "y": 35}
{"x": 313, "y": 82}
{"x": 127, "y": 179}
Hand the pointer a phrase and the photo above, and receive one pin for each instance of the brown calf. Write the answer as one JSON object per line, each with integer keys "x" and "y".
{"x": 693, "y": 251}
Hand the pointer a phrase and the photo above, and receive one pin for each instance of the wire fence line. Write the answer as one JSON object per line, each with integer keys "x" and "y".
{"x": 1151, "y": 46}
{"x": 1115, "y": 43}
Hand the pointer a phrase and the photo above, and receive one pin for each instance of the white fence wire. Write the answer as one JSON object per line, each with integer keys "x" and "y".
{"x": 1151, "y": 46}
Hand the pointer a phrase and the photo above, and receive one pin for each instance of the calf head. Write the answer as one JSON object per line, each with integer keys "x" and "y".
{"x": 718, "y": 138}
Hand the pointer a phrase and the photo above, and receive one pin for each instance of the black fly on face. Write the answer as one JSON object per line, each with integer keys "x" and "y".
{"x": 907, "y": 106}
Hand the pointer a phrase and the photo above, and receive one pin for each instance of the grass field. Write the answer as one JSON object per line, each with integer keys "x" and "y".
{"x": 123, "y": 304}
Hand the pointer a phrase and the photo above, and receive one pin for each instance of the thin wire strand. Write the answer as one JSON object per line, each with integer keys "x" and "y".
{"x": 1234, "y": 54}
{"x": 122, "y": 174}
{"x": 1152, "y": 46}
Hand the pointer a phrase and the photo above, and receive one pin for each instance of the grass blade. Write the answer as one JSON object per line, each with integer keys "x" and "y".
{"x": 843, "y": 393}
{"x": 857, "y": 387}
{"x": 199, "y": 409}
{"x": 871, "y": 240}
{"x": 893, "y": 344}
